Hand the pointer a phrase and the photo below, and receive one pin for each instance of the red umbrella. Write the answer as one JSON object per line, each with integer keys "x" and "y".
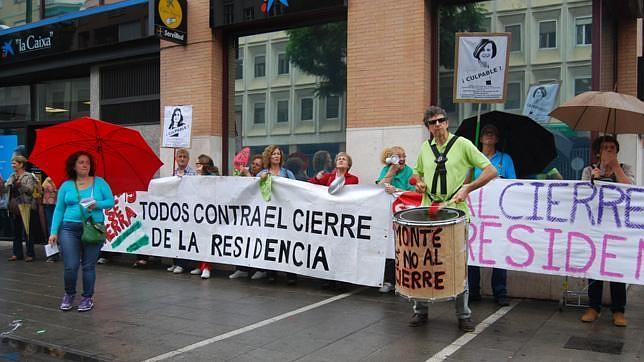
{"x": 122, "y": 156}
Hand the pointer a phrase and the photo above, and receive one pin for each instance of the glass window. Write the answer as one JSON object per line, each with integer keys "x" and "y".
{"x": 513, "y": 99}
{"x": 332, "y": 107}
{"x": 584, "y": 30}
{"x": 18, "y": 12}
{"x": 282, "y": 64}
{"x": 260, "y": 66}
{"x": 15, "y": 103}
{"x": 259, "y": 113}
{"x": 63, "y": 100}
{"x": 582, "y": 85}
{"x": 306, "y": 109}
{"x": 301, "y": 111}
{"x": 239, "y": 66}
{"x": 515, "y": 41}
{"x": 548, "y": 34}
{"x": 59, "y": 7}
{"x": 282, "y": 111}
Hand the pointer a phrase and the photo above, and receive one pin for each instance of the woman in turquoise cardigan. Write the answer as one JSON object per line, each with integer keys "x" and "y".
{"x": 67, "y": 227}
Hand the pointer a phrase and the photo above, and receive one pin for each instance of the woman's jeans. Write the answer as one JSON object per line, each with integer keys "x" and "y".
{"x": 18, "y": 236}
{"x": 76, "y": 253}
{"x": 49, "y": 215}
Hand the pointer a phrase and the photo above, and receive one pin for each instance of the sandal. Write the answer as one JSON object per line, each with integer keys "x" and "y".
{"x": 29, "y": 259}
{"x": 13, "y": 258}
{"x": 140, "y": 264}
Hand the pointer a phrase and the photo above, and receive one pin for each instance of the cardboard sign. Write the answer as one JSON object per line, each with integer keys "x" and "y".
{"x": 482, "y": 68}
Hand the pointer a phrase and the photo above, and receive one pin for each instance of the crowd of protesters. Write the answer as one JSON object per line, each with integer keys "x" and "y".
{"x": 60, "y": 208}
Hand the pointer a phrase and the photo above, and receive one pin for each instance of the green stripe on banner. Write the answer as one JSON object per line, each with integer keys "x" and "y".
{"x": 127, "y": 232}
{"x": 138, "y": 244}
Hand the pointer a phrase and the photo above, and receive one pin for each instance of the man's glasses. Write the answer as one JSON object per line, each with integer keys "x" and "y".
{"x": 431, "y": 122}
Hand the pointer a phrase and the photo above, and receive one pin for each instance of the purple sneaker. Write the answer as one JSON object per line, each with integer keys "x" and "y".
{"x": 67, "y": 302}
{"x": 86, "y": 304}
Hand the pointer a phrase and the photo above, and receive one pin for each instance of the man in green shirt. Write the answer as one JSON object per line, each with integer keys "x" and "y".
{"x": 445, "y": 182}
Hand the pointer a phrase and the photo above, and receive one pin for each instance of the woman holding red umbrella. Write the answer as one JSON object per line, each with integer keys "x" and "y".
{"x": 82, "y": 196}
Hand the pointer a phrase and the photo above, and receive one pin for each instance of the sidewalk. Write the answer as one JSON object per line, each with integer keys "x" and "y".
{"x": 141, "y": 314}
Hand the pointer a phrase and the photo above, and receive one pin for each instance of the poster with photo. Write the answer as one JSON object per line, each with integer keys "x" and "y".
{"x": 540, "y": 101}
{"x": 482, "y": 67}
{"x": 177, "y": 126}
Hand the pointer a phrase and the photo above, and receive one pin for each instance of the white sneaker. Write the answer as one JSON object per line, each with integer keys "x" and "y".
{"x": 259, "y": 275}
{"x": 205, "y": 274}
{"x": 195, "y": 271}
{"x": 386, "y": 288}
{"x": 238, "y": 274}
{"x": 171, "y": 268}
{"x": 178, "y": 270}
{"x": 102, "y": 261}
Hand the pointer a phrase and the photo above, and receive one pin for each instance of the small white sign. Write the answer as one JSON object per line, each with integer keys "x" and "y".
{"x": 51, "y": 250}
{"x": 177, "y": 126}
{"x": 482, "y": 67}
{"x": 540, "y": 101}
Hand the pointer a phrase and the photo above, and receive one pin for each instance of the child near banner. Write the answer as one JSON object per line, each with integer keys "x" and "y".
{"x": 273, "y": 161}
{"x": 608, "y": 169}
{"x": 205, "y": 167}
{"x": 394, "y": 175}
{"x": 446, "y": 182}
{"x": 256, "y": 166}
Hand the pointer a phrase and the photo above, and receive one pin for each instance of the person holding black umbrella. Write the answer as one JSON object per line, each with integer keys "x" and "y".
{"x": 490, "y": 137}
{"x": 608, "y": 169}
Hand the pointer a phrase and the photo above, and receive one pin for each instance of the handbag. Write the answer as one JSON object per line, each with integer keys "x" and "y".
{"x": 93, "y": 232}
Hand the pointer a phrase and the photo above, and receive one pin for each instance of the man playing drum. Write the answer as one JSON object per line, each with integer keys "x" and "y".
{"x": 441, "y": 169}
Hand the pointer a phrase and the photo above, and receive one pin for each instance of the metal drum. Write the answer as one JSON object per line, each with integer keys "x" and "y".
{"x": 431, "y": 254}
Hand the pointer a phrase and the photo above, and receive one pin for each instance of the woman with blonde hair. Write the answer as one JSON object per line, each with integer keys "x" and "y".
{"x": 273, "y": 159}
{"x": 395, "y": 175}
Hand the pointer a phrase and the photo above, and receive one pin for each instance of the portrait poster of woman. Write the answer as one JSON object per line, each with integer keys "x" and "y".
{"x": 481, "y": 71}
{"x": 540, "y": 100}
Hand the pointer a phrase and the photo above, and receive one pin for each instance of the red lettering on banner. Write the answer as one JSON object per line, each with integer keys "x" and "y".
{"x": 593, "y": 253}
{"x": 521, "y": 243}
{"x": 117, "y": 220}
{"x": 607, "y": 255}
{"x": 551, "y": 245}
{"x": 483, "y": 241}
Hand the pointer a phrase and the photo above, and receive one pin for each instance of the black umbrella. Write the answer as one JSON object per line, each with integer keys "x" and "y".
{"x": 530, "y": 145}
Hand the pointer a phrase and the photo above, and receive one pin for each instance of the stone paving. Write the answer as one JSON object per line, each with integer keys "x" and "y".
{"x": 141, "y": 314}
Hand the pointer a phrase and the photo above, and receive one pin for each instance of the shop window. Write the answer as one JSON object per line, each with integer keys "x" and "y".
{"x": 584, "y": 31}
{"x": 260, "y": 66}
{"x": 582, "y": 85}
{"x": 513, "y": 99}
{"x": 548, "y": 34}
{"x": 515, "y": 41}
{"x": 15, "y": 103}
{"x": 306, "y": 112}
{"x": 259, "y": 113}
{"x": 63, "y": 100}
{"x": 282, "y": 111}
{"x": 282, "y": 64}
{"x": 332, "y": 107}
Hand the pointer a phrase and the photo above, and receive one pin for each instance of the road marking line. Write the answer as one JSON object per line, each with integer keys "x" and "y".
{"x": 251, "y": 327}
{"x": 465, "y": 338}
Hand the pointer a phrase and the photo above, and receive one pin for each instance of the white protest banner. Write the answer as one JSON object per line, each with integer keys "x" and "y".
{"x": 177, "y": 125}
{"x": 559, "y": 227}
{"x": 302, "y": 229}
{"x": 540, "y": 101}
{"x": 482, "y": 67}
